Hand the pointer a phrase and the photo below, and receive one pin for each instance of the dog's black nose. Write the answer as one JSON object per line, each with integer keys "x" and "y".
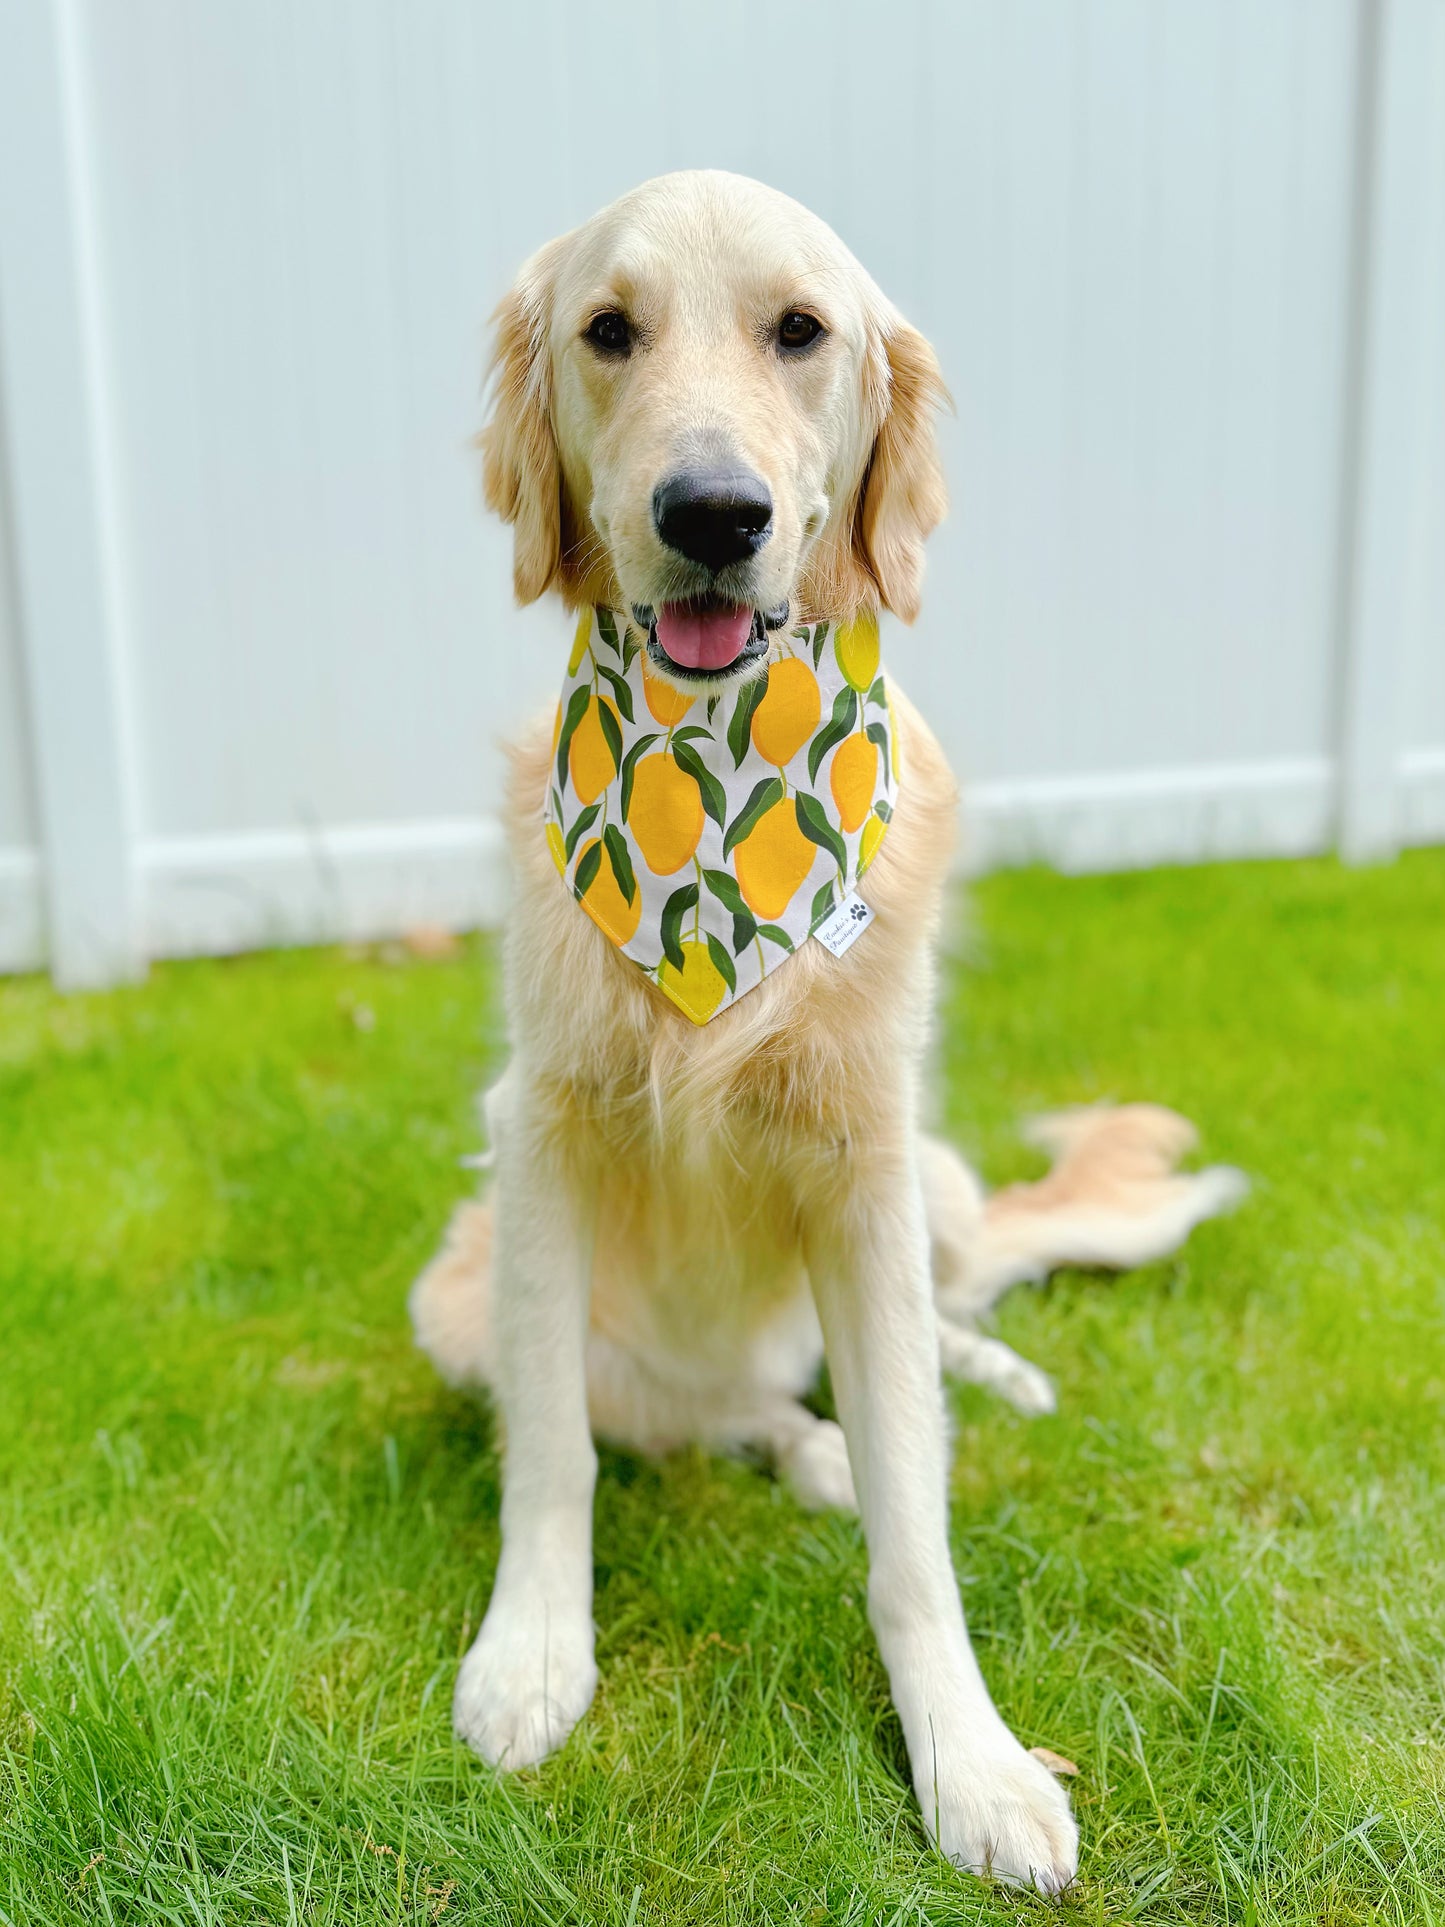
{"x": 713, "y": 515}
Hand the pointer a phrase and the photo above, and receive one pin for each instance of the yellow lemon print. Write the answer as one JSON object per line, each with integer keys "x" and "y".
{"x": 788, "y": 713}
{"x": 855, "y": 769}
{"x": 665, "y": 704}
{"x": 856, "y": 647}
{"x": 868, "y": 847}
{"x": 892, "y": 736}
{"x": 772, "y": 860}
{"x": 590, "y": 761}
{"x": 605, "y": 903}
{"x": 698, "y": 988}
{"x": 580, "y": 642}
{"x": 558, "y": 848}
{"x": 665, "y": 814}
{"x": 557, "y": 729}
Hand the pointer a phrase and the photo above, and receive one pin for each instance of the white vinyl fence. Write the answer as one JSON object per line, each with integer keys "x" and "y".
{"x": 1184, "y": 262}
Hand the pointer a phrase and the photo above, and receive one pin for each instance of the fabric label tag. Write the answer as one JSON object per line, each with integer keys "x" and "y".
{"x": 843, "y": 926}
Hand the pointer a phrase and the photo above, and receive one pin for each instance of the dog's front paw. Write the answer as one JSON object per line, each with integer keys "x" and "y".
{"x": 998, "y": 1811}
{"x": 528, "y": 1679}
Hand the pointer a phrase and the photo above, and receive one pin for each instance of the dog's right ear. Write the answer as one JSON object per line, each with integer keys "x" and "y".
{"x": 521, "y": 476}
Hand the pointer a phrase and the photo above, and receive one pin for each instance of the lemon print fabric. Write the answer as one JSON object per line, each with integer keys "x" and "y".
{"x": 709, "y": 835}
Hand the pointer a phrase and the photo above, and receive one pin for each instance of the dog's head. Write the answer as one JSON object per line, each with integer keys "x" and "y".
{"x": 706, "y": 412}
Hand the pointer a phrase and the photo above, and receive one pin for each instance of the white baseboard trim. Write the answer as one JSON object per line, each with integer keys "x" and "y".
{"x": 206, "y": 896}
{"x": 214, "y": 895}
{"x": 1422, "y": 796}
{"x": 1207, "y": 814}
{"x": 22, "y": 911}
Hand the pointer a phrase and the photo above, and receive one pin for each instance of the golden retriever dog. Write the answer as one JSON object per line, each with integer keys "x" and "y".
{"x": 684, "y": 1218}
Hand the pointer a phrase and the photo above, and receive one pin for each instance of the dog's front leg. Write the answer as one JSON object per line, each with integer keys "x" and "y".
{"x": 530, "y": 1674}
{"x": 986, "y": 1803}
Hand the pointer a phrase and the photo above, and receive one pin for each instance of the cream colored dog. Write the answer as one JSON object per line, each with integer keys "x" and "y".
{"x": 684, "y": 1218}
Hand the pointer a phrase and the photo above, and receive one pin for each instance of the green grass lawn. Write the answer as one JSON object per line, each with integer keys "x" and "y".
{"x": 245, "y": 1534}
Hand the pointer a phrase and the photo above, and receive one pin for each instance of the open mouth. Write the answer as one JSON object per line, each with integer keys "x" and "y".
{"x": 707, "y": 638}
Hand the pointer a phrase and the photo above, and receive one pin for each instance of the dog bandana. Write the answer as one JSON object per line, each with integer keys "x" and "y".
{"x": 709, "y": 836}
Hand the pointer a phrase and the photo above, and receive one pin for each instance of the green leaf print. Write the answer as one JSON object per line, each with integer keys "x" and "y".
{"x": 576, "y": 710}
{"x": 607, "y": 629}
{"x": 813, "y": 822}
{"x": 724, "y": 886}
{"x": 629, "y": 767}
{"x": 717, "y": 950}
{"x": 580, "y": 828}
{"x": 621, "y": 689}
{"x": 621, "y": 862}
{"x": 714, "y": 796}
{"x": 822, "y": 904}
{"x": 673, "y": 912}
{"x": 845, "y": 714}
{"x": 741, "y": 722}
{"x": 611, "y": 732}
{"x": 764, "y": 795}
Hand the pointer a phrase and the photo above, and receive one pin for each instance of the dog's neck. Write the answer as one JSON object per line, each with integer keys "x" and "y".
{"x": 708, "y": 836}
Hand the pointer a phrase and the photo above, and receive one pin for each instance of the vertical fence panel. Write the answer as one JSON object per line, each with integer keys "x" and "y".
{"x": 1401, "y": 328}
{"x": 22, "y": 944}
{"x": 49, "y": 361}
{"x": 1402, "y": 525}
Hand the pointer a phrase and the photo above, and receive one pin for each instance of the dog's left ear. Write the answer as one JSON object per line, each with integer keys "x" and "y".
{"x": 521, "y": 475}
{"x": 903, "y": 497}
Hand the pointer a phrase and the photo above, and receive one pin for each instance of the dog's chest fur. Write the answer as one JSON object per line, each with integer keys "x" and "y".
{"x": 793, "y": 1079}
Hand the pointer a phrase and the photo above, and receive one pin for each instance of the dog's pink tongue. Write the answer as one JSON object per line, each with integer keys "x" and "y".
{"x": 703, "y": 638}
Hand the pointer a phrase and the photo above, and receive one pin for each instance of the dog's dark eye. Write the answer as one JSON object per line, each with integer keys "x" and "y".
{"x": 609, "y": 332}
{"x": 798, "y": 330}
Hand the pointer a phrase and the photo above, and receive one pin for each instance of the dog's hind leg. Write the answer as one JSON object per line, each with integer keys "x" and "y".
{"x": 953, "y": 1205}
{"x": 956, "y": 1213}
{"x": 450, "y": 1302}
{"x": 968, "y": 1355}
{"x": 809, "y": 1453}
{"x": 628, "y": 1405}
{"x": 815, "y": 1468}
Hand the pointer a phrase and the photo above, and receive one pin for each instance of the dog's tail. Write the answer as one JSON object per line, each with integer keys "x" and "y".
{"x": 1113, "y": 1199}
{"x": 451, "y": 1301}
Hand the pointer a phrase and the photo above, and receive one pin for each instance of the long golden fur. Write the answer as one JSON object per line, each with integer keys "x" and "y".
{"x": 680, "y": 1214}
